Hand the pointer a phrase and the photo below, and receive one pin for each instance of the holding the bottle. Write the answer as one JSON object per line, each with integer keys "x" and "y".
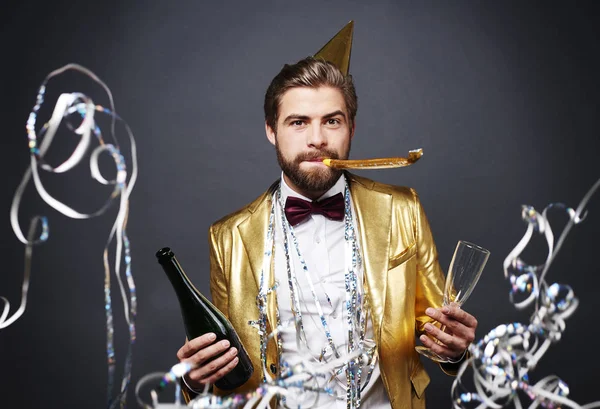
{"x": 212, "y": 344}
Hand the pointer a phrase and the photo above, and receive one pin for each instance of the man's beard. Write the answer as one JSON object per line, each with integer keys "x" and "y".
{"x": 319, "y": 179}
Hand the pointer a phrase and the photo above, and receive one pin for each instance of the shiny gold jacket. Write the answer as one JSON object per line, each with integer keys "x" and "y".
{"x": 401, "y": 271}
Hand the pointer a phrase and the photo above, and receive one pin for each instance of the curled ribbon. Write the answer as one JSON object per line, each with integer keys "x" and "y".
{"x": 501, "y": 361}
{"x": 306, "y": 376}
{"x": 78, "y": 112}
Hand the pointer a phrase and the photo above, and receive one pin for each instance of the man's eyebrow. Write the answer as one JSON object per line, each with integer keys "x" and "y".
{"x": 295, "y": 117}
{"x": 335, "y": 113}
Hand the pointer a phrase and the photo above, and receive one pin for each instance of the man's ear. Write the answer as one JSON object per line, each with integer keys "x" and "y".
{"x": 353, "y": 129}
{"x": 270, "y": 133}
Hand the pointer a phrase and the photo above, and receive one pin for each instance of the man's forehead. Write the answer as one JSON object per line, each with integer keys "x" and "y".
{"x": 312, "y": 99}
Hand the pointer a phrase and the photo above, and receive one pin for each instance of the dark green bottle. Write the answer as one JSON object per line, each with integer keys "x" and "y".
{"x": 200, "y": 316}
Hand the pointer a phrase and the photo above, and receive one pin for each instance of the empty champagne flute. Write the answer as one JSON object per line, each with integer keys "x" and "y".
{"x": 465, "y": 269}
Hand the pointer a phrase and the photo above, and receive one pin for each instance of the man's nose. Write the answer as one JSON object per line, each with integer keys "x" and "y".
{"x": 316, "y": 137}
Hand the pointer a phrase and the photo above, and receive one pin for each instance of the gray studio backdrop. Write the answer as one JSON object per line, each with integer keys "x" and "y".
{"x": 502, "y": 96}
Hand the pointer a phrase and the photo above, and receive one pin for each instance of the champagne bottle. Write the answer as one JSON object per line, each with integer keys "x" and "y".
{"x": 200, "y": 316}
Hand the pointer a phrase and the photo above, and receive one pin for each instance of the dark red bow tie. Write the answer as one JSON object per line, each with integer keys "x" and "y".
{"x": 297, "y": 210}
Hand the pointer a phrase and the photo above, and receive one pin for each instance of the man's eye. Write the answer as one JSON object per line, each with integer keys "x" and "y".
{"x": 333, "y": 121}
{"x": 297, "y": 123}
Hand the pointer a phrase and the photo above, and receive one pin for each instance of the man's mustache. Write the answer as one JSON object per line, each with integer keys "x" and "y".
{"x": 308, "y": 156}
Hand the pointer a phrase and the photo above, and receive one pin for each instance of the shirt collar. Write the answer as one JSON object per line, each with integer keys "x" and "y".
{"x": 338, "y": 187}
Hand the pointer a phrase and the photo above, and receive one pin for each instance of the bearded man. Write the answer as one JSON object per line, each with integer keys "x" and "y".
{"x": 353, "y": 263}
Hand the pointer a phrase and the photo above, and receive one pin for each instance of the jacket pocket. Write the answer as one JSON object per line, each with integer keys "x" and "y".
{"x": 402, "y": 256}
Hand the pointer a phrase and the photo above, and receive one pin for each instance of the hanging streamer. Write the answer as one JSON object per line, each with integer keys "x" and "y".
{"x": 77, "y": 111}
{"x": 501, "y": 361}
{"x": 306, "y": 376}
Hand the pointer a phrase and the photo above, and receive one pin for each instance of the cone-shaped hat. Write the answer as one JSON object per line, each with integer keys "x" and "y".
{"x": 337, "y": 50}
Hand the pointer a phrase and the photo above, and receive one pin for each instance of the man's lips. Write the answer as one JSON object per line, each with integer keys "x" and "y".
{"x": 314, "y": 160}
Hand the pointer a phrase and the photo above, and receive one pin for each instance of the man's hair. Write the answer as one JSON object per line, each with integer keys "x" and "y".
{"x": 313, "y": 73}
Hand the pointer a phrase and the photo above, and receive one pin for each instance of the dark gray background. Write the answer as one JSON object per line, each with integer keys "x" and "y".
{"x": 502, "y": 96}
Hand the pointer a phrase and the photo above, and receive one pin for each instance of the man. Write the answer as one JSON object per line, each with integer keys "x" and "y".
{"x": 375, "y": 250}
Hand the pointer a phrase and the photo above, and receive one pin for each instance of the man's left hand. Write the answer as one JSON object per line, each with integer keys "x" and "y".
{"x": 458, "y": 331}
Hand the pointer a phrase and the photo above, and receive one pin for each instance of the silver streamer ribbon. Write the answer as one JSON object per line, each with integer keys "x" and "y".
{"x": 77, "y": 111}
{"x": 356, "y": 310}
{"x": 293, "y": 381}
{"x": 501, "y": 361}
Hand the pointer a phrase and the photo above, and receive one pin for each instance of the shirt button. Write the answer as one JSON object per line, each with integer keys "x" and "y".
{"x": 273, "y": 369}
{"x": 318, "y": 240}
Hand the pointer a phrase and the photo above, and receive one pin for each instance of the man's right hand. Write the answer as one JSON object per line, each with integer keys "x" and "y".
{"x": 199, "y": 351}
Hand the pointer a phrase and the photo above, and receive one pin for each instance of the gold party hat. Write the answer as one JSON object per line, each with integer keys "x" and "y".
{"x": 337, "y": 50}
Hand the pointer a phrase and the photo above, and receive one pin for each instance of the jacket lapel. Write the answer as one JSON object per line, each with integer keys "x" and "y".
{"x": 253, "y": 233}
{"x": 374, "y": 216}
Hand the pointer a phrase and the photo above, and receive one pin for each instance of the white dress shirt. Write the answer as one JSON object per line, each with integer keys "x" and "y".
{"x": 322, "y": 246}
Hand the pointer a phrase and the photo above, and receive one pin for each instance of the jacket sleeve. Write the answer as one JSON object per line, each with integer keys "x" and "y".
{"x": 218, "y": 280}
{"x": 430, "y": 278}
{"x": 218, "y": 292}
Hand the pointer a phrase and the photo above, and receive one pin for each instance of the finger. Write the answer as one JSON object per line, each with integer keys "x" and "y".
{"x": 192, "y": 346}
{"x": 447, "y": 321}
{"x": 453, "y": 325}
{"x": 436, "y": 333}
{"x": 218, "y": 363}
{"x": 453, "y": 310}
{"x": 205, "y": 373}
{"x": 223, "y": 371}
{"x": 455, "y": 343}
{"x": 457, "y": 330}
{"x": 439, "y": 349}
{"x": 208, "y": 353}
{"x": 434, "y": 313}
